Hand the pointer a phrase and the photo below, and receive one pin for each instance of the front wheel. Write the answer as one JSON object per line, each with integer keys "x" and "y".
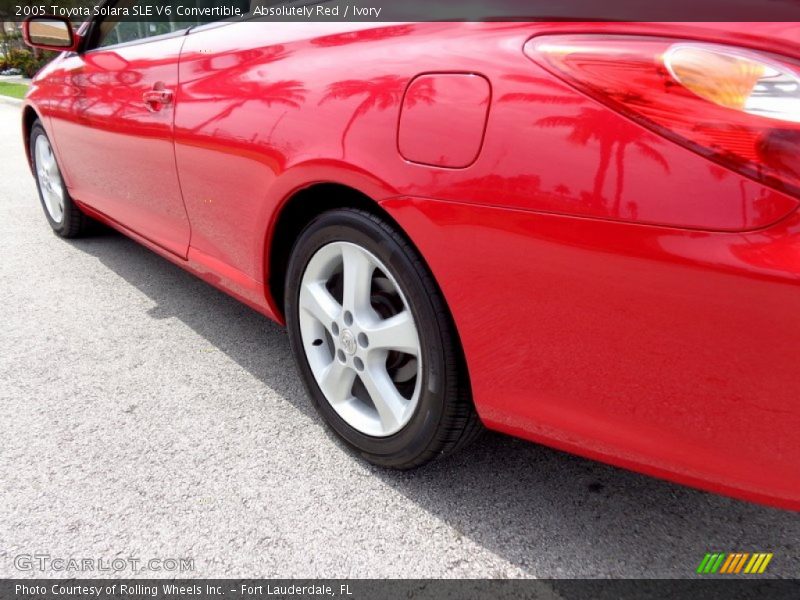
{"x": 375, "y": 343}
{"x": 65, "y": 218}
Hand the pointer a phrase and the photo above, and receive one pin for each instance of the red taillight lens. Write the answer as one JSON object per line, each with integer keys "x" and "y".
{"x": 739, "y": 108}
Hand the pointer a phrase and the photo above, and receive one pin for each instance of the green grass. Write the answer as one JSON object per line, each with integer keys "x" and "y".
{"x": 15, "y": 90}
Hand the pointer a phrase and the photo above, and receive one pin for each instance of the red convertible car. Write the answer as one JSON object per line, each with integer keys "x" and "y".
{"x": 584, "y": 234}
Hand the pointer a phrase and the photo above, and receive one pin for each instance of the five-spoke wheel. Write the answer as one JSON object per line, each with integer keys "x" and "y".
{"x": 49, "y": 178}
{"x": 374, "y": 341}
{"x": 360, "y": 338}
{"x": 62, "y": 213}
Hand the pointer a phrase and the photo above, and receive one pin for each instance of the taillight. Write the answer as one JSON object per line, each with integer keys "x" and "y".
{"x": 739, "y": 108}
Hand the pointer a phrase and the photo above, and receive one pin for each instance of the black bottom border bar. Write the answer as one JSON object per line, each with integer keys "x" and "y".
{"x": 373, "y": 589}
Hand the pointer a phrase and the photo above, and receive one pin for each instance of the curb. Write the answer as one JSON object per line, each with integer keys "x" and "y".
{"x": 16, "y": 79}
{"x": 10, "y": 101}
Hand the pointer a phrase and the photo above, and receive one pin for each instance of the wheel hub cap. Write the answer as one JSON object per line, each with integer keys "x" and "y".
{"x": 348, "y": 342}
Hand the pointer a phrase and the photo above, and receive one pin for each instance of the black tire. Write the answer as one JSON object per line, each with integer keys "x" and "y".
{"x": 73, "y": 222}
{"x": 445, "y": 419}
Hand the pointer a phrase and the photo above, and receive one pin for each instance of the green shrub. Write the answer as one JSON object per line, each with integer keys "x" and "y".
{"x": 26, "y": 61}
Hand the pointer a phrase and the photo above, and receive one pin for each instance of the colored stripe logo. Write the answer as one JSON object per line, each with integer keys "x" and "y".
{"x": 734, "y": 563}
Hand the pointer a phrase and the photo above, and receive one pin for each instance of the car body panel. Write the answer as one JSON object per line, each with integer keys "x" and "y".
{"x": 117, "y": 155}
{"x": 248, "y": 115}
{"x": 667, "y": 350}
{"x": 616, "y": 294}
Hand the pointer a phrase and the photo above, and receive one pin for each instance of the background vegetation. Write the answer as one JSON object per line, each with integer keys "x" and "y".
{"x": 13, "y": 52}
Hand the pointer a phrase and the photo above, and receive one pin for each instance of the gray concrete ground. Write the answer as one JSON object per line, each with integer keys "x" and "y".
{"x": 145, "y": 414}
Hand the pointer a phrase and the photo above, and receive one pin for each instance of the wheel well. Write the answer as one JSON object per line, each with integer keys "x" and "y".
{"x": 297, "y": 213}
{"x": 302, "y": 208}
{"x": 29, "y": 117}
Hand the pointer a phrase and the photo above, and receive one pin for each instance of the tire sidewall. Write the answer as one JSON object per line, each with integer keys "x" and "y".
{"x": 358, "y": 228}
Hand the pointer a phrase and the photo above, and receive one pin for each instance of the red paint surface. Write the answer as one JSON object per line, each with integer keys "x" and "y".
{"x": 664, "y": 350}
{"x": 637, "y": 310}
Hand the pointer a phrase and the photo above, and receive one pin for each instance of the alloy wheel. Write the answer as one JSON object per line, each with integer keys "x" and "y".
{"x": 49, "y": 177}
{"x": 360, "y": 339}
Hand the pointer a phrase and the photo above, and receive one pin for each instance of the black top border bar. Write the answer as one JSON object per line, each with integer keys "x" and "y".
{"x": 409, "y": 10}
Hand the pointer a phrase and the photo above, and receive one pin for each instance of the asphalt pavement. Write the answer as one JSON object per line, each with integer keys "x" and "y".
{"x": 145, "y": 414}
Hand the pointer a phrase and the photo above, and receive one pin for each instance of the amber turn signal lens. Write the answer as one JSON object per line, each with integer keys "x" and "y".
{"x": 736, "y": 80}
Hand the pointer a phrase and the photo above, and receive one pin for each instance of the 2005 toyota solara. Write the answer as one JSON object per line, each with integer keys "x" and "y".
{"x": 584, "y": 234}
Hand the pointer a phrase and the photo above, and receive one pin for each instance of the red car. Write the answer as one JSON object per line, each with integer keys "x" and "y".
{"x": 584, "y": 234}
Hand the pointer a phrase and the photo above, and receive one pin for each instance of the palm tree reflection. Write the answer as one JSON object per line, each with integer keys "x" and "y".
{"x": 592, "y": 124}
{"x": 563, "y": 96}
{"x": 380, "y": 93}
{"x": 290, "y": 93}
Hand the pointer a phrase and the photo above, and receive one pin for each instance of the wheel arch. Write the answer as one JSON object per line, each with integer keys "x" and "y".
{"x": 298, "y": 210}
{"x": 29, "y": 117}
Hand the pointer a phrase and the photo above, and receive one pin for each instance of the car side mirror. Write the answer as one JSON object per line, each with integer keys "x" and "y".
{"x": 50, "y": 33}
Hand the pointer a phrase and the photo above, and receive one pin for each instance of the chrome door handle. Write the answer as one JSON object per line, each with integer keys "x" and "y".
{"x": 155, "y": 99}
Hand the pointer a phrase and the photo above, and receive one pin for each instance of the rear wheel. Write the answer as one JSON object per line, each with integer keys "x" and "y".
{"x": 65, "y": 218}
{"x": 375, "y": 343}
